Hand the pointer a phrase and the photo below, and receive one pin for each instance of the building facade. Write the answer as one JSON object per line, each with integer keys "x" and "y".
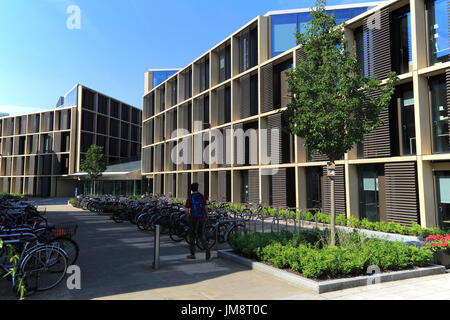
{"x": 401, "y": 173}
{"x": 41, "y": 152}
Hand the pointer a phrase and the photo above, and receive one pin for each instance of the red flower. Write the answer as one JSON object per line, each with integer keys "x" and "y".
{"x": 447, "y": 237}
{"x": 434, "y": 244}
{"x": 423, "y": 243}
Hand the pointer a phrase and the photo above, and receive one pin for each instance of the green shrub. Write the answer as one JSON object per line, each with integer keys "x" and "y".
{"x": 341, "y": 220}
{"x": 355, "y": 253}
{"x": 72, "y": 201}
{"x": 353, "y": 222}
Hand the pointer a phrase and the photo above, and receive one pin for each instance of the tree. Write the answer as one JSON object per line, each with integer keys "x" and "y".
{"x": 94, "y": 164}
{"x": 333, "y": 103}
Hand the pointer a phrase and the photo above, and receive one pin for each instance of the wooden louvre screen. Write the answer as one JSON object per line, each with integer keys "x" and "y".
{"x": 279, "y": 192}
{"x": 169, "y": 147}
{"x": 220, "y": 103}
{"x": 201, "y": 112}
{"x": 339, "y": 191}
{"x": 31, "y": 165}
{"x": 18, "y": 185}
{"x": 274, "y": 151}
{"x": 158, "y": 184}
{"x": 185, "y": 185}
{"x": 222, "y": 186}
{"x": 56, "y": 164}
{"x": 30, "y": 186}
{"x": 8, "y": 167}
{"x": 267, "y": 88}
{"x": 158, "y": 157}
{"x": 8, "y": 142}
{"x": 6, "y": 185}
{"x": 19, "y": 166}
{"x": 319, "y": 157}
{"x": 401, "y": 193}
{"x": 147, "y": 160}
{"x": 377, "y": 45}
{"x": 253, "y": 186}
{"x": 300, "y": 55}
{"x": 226, "y": 134}
{"x": 57, "y": 137}
{"x": 447, "y": 85}
{"x": 245, "y": 97}
{"x": 378, "y": 142}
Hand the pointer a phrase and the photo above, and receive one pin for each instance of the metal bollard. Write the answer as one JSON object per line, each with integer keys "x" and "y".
{"x": 157, "y": 246}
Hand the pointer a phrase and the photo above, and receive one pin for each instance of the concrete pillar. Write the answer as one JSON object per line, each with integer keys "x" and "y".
{"x": 302, "y": 200}
{"x": 427, "y": 203}
{"x": 351, "y": 190}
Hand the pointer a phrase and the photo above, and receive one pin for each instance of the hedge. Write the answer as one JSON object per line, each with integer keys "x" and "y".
{"x": 305, "y": 254}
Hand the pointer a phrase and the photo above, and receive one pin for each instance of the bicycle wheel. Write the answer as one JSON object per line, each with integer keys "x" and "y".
{"x": 117, "y": 218}
{"x": 210, "y": 235}
{"x": 44, "y": 268}
{"x": 69, "y": 246}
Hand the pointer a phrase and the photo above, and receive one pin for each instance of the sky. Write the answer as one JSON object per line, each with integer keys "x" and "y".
{"x": 41, "y": 59}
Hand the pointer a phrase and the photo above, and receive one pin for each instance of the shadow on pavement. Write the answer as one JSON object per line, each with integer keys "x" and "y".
{"x": 117, "y": 258}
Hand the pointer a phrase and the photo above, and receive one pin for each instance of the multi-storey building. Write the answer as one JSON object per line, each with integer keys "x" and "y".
{"x": 401, "y": 173}
{"x": 41, "y": 152}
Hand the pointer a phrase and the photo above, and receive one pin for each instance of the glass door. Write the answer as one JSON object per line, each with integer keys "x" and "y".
{"x": 443, "y": 199}
{"x": 369, "y": 194}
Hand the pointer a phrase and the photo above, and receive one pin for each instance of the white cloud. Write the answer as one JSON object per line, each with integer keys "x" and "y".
{"x": 16, "y": 110}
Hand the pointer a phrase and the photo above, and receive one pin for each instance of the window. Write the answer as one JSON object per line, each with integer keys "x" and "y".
{"x": 443, "y": 199}
{"x": 224, "y": 63}
{"x": 203, "y": 78}
{"x": 188, "y": 84}
{"x": 408, "y": 127}
{"x": 401, "y": 54}
{"x": 281, "y": 92}
{"x": 102, "y": 104}
{"x": 114, "y": 106}
{"x": 174, "y": 92}
{"x": 284, "y": 26}
{"x": 369, "y": 199}
{"x": 88, "y": 99}
{"x": 439, "y": 114}
{"x": 437, "y": 21}
{"x": 162, "y": 98}
{"x": 248, "y": 49}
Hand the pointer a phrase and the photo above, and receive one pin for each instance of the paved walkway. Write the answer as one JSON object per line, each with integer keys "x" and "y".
{"x": 115, "y": 262}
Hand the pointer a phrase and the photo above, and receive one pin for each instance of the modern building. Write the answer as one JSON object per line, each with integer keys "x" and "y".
{"x": 401, "y": 173}
{"x": 41, "y": 152}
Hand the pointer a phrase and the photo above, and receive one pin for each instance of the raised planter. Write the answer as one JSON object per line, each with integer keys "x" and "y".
{"x": 331, "y": 285}
{"x": 442, "y": 258}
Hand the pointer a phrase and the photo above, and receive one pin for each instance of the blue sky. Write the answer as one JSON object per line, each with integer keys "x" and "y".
{"x": 119, "y": 40}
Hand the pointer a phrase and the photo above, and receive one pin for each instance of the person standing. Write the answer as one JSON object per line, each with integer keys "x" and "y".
{"x": 197, "y": 211}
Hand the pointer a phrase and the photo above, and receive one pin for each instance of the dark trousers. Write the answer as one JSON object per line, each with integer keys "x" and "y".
{"x": 197, "y": 227}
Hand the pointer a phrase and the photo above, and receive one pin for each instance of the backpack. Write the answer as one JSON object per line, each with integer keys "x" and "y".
{"x": 198, "y": 206}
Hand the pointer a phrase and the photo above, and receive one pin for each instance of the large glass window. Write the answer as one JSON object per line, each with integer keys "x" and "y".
{"x": 160, "y": 76}
{"x": 284, "y": 26}
{"x": 401, "y": 54}
{"x": 437, "y": 21}
{"x": 439, "y": 115}
{"x": 443, "y": 198}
